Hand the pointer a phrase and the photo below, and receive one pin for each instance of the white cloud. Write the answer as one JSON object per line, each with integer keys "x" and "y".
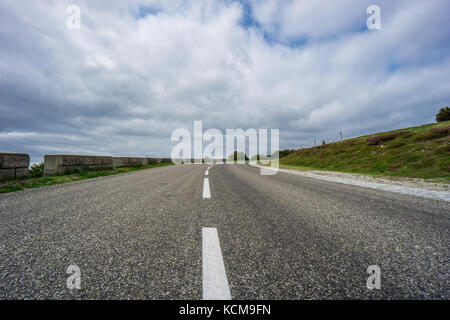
{"x": 122, "y": 83}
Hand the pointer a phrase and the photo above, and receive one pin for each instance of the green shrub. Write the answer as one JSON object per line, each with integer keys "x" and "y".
{"x": 443, "y": 114}
{"x": 37, "y": 170}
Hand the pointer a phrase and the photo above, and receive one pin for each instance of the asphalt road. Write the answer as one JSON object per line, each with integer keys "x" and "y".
{"x": 139, "y": 236}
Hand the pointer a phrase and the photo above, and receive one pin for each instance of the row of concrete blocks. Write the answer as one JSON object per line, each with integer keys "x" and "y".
{"x": 13, "y": 165}
{"x": 55, "y": 164}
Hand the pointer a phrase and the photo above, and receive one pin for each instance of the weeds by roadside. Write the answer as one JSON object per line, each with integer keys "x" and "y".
{"x": 37, "y": 170}
{"x": 36, "y": 179}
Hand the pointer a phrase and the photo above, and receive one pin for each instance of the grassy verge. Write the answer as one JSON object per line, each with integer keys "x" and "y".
{"x": 416, "y": 152}
{"x": 21, "y": 184}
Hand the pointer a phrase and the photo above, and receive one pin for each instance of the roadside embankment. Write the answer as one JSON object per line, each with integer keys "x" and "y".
{"x": 415, "y": 152}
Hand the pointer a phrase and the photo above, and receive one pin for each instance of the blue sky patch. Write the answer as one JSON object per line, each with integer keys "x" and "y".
{"x": 145, "y": 11}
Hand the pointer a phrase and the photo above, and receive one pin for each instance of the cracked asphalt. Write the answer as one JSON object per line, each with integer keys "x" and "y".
{"x": 138, "y": 236}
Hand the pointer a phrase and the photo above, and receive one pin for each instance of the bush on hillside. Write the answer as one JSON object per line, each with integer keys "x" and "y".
{"x": 443, "y": 114}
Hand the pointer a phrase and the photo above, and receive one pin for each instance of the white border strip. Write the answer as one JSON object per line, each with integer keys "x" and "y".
{"x": 215, "y": 283}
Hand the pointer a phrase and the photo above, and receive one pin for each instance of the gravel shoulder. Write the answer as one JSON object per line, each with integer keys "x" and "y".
{"x": 408, "y": 186}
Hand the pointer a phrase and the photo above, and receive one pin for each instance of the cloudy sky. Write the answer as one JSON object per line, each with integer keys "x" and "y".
{"x": 136, "y": 70}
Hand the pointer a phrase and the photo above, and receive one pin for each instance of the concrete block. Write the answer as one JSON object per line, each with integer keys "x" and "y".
{"x": 14, "y": 160}
{"x": 103, "y": 161}
{"x": 7, "y": 174}
{"x": 70, "y": 161}
{"x": 55, "y": 164}
{"x": 129, "y": 161}
{"x": 22, "y": 172}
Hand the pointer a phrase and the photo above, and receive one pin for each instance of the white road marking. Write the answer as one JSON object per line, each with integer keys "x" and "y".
{"x": 206, "y": 192}
{"x": 215, "y": 283}
{"x": 206, "y": 172}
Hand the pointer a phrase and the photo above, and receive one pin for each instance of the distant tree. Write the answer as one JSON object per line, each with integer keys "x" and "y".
{"x": 443, "y": 114}
{"x": 323, "y": 142}
{"x": 238, "y": 155}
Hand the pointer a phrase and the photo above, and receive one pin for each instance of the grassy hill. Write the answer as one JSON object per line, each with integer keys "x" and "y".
{"x": 417, "y": 152}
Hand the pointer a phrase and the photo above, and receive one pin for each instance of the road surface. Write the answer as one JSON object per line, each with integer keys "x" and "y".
{"x": 155, "y": 234}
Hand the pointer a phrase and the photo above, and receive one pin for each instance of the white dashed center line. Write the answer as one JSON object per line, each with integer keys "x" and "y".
{"x": 206, "y": 192}
{"x": 215, "y": 283}
{"x": 206, "y": 172}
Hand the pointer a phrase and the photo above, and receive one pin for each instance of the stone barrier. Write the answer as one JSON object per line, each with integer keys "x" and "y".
{"x": 14, "y": 165}
{"x": 55, "y": 164}
{"x": 158, "y": 160}
{"x": 129, "y": 162}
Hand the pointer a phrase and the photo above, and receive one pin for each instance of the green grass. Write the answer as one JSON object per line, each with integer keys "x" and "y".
{"x": 416, "y": 152}
{"x": 21, "y": 184}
